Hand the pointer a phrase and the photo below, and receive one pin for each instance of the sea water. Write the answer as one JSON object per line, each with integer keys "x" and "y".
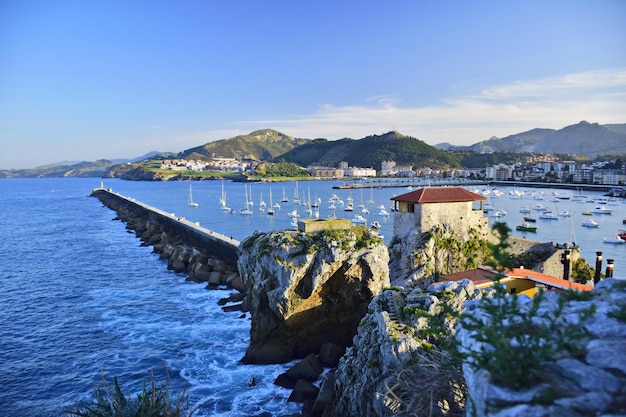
{"x": 80, "y": 298}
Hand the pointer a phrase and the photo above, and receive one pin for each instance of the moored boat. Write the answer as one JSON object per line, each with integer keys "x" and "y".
{"x": 590, "y": 223}
{"x": 614, "y": 240}
{"x": 526, "y": 227}
{"x": 529, "y": 219}
{"x": 190, "y": 201}
{"x": 601, "y": 210}
{"x": 548, "y": 215}
{"x": 358, "y": 219}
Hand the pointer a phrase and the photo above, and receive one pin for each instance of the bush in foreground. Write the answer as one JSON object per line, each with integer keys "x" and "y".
{"x": 154, "y": 400}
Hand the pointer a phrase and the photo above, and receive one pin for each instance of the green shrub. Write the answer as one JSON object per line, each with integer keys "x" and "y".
{"x": 154, "y": 400}
{"x": 517, "y": 340}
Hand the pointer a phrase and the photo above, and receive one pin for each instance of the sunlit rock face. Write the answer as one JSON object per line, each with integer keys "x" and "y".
{"x": 307, "y": 289}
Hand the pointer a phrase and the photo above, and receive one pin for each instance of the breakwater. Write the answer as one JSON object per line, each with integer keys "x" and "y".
{"x": 203, "y": 254}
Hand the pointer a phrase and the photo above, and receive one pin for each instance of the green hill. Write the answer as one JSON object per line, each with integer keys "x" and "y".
{"x": 262, "y": 145}
{"x": 370, "y": 152}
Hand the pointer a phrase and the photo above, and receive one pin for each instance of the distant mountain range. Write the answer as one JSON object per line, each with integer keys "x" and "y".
{"x": 584, "y": 138}
{"x": 590, "y": 139}
{"x": 261, "y": 145}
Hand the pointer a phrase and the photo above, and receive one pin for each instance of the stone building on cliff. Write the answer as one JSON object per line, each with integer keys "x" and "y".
{"x": 429, "y": 207}
{"x": 436, "y": 230}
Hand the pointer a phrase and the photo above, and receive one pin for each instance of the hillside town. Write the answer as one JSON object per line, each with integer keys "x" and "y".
{"x": 539, "y": 169}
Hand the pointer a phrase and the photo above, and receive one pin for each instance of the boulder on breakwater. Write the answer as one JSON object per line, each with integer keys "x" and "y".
{"x": 308, "y": 289}
{"x": 174, "y": 243}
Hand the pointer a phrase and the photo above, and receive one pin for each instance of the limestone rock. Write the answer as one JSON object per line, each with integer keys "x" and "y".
{"x": 417, "y": 258}
{"x": 570, "y": 384}
{"x": 307, "y": 289}
{"x": 390, "y": 363}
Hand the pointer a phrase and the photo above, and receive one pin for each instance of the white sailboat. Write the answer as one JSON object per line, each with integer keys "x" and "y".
{"x": 371, "y": 200}
{"x": 190, "y": 202}
{"x": 246, "y": 209}
{"x": 223, "y": 199}
{"x": 284, "y": 199}
{"x": 307, "y": 204}
{"x": 296, "y": 197}
{"x": 262, "y": 204}
{"x": 270, "y": 208}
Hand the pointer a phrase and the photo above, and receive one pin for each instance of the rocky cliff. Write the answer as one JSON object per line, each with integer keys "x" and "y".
{"x": 555, "y": 355}
{"x": 394, "y": 367}
{"x": 307, "y": 289}
{"x": 417, "y": 259}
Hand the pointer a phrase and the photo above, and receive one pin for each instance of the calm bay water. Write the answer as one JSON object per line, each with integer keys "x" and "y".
{"x": 79, "y": 296}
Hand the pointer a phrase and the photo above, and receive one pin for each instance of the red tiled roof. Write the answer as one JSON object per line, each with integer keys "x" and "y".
{"x": 478, "y": 276}
{"x": 484, "y": 275}
{"x": 439, "y": 195}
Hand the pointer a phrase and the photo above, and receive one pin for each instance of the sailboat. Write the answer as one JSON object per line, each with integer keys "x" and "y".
{"x": 191, "y": 203}
{"x": 223, "y": 199}
{"x": 296, "y": 198}
{"x": 307, "y": 204}
{"x": 371, "y": 200}
{"x": 262, "y": 204}
{"x": 246, "y": 209}
{"x": 284, "y": 199}
{"x": 270, "y": 208}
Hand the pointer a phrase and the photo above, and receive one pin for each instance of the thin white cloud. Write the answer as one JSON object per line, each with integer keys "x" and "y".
{"x": 555, "y": 102}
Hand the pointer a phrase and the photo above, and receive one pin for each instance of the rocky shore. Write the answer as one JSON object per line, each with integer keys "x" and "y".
{"x": 367, "y": 348}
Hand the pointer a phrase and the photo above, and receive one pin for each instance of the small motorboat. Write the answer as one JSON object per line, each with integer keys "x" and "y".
{"x": 614, "y": 240}
{"x": 601, "y": 210}
{"x": 376, "y": 225}
{"x": 526, "y": 227}
{"x": 587, "y": 213}
{"x": 530, "y": 219}
{"x": 590, "y": 223}
{"x": 547, "y": 215}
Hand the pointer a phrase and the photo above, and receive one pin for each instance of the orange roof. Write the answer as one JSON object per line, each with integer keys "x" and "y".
{"x": 483, "y": 275}
{"x": 439, "y": 195}
{"x": 547, "y": 279}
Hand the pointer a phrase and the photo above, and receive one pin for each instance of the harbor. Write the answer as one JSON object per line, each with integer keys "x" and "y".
{"x": 506, "y": 202}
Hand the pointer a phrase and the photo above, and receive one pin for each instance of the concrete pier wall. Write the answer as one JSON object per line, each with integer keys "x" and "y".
{"x": 218, "y": 245}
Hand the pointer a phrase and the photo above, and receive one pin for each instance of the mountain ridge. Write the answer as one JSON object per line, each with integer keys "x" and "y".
{"x": 583, "y": 138}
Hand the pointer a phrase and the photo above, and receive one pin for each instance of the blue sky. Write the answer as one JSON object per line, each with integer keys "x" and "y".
{"x": 85, "y": 80}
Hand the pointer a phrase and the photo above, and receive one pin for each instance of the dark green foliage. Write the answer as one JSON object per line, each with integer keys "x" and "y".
{"x": 154, "y": 400}
{"x": 280, "y": 169}
{"x": 470, "y": 159}
{"x": 618, "y": 314}
{"x": 516, "y": 340}
{"x": 371, "y": 151}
